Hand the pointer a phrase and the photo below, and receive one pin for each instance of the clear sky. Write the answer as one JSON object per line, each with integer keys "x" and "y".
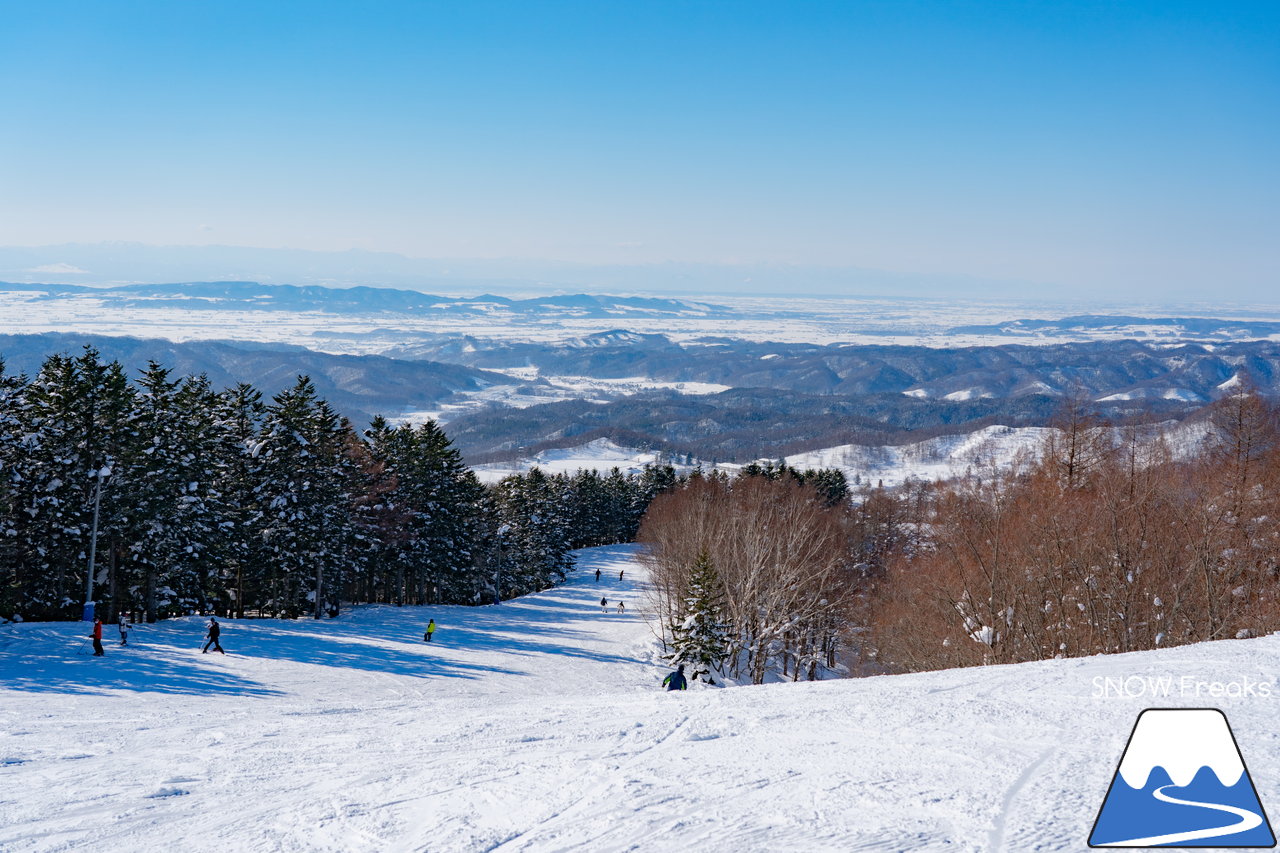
{"x": 1108, "y": 146}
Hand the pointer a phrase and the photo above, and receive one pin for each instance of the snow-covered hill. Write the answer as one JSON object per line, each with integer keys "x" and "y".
{"x": 539, "y": 725}
{"x": 993, "y": 447}
{"x": 600, "y": 455}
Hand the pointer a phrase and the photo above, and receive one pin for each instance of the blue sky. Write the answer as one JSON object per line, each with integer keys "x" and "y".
{"x": 1098, "y": 147}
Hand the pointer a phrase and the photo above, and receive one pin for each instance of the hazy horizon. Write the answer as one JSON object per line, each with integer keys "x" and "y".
{"x": 124, "y": 263}
{"x": 1084, "y": 148}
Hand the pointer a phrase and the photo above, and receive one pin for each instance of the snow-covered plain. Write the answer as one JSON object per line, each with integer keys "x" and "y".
{"x": 539, "y": 725}
{"x": 551, "y": 389}
{"x": 934, "y": 322}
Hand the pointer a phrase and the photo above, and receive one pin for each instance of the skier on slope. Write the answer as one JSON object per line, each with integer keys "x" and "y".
{"x": 604, "y": 605}
{"x": 97, "y": 638}
{"x": 215, "y": 630}
{"x": 431, "y": 629}
{"x": 124, "y": 629}
{"x": 597, "y": 576}
{"x": 621, "y": 609}
{"x": 676, "y": 680}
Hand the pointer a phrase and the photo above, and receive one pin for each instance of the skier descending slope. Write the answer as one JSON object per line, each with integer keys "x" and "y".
{"x": 215, "y": 630}
{"x": 604, "y": 605}
{"x": 676, "y": 680}
{"x": 97, "y": 638}
{"x": 431, "y": 629}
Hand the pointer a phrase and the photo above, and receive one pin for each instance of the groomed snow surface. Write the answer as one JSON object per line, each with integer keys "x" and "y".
{"x": 539, "y": 725}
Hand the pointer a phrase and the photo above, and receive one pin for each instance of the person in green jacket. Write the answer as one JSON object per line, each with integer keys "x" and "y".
{"x": 431, "y": 629}
{"x": 676, "y": 680}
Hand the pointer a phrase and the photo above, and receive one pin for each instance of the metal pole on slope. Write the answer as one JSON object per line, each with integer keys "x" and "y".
{"x": 497, "y": 569}
{"x": 87, "y": 615}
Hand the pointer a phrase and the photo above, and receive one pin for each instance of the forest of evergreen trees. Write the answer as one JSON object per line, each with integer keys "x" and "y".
{"x": 220, "y": 501}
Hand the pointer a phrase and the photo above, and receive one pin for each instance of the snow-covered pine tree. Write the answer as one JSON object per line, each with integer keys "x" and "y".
{"x": 653, "y": 481}
{"x": 72, "y": 410}
{"x": 170, "y": 487}
{"x": 306, "y": 478}
{"x": 445, "y": 496}
{"x": 534, "y": 550}
{"x": 621, "y": 494}
{"x": 14, "y": 445}
{"x": 238, "y": 414}
{"x": 148, "y": 478}
{"x": 701, "y": 635}
{"x": 202, "y": 508}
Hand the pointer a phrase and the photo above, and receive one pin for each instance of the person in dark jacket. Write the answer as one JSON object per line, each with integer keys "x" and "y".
{"x": 676, "y": 680}
{"x": 215, "y": 630}
{"x": 97, "y": 638}
{"x": 597, "y": 576}
{"x": 604, "y": 605}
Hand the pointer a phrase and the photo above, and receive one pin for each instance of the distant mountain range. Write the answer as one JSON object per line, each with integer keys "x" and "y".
{"x": 1119, "y": 369}
{"x": 1201, "y": 328}
{"x": 780, "y": 399}
{"x": 254, "y": 296}
{"x": 551, "y": 371}
{"x": 357, "y": 386}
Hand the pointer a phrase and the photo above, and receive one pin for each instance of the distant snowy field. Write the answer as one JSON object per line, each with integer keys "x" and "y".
{"x": 539, "y": 725}
{"x": 796, "y": 319}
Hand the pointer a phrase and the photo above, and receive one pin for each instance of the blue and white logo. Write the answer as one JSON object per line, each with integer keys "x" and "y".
{"x": 1182, "y": 783}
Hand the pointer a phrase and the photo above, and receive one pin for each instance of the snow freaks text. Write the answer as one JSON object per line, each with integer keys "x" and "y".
{"x": 1186, "y": 687}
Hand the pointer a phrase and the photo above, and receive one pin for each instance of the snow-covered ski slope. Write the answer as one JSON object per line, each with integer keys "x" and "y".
{"x": 539, "y": 725}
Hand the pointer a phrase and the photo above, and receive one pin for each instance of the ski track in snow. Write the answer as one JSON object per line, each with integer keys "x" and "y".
{"x": 539, "y": 725}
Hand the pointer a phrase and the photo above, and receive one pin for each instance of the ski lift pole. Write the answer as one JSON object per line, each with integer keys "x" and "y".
{"x": 88, "y": 614}
{"x": 497, "y": 568}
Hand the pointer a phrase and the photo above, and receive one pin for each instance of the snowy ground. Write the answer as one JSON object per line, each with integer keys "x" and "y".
{"x": 600, "y": 455}
{"x": 539, "y": 725}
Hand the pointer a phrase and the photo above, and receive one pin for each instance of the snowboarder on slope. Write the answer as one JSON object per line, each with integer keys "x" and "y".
{"x": 431, "y": 629}
{"x": 676, "y": 681}
{"x": 124, "y": 630}
{"x": 97, "y": 638}
{"x": 604, "y": 605}
{"x": 214, "y": 631}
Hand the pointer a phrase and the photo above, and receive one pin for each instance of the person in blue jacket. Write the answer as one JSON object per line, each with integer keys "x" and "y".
{"x": 675, "y": 681}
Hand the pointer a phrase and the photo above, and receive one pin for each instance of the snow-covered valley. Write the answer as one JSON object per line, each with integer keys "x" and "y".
{"x": 539, "y": 724}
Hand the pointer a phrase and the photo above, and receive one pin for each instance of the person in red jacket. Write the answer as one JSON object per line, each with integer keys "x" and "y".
{"x": 97, "y": 638}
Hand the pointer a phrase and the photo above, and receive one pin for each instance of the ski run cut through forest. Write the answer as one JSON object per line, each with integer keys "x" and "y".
{"x": 540, "y": 725}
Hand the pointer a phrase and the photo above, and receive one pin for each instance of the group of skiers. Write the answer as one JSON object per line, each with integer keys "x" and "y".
{"x": 674, "y": 681}
{"x": 604, "y": 601}
{"x": 96, "y": 636}
{"x": 214, "y": 630}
